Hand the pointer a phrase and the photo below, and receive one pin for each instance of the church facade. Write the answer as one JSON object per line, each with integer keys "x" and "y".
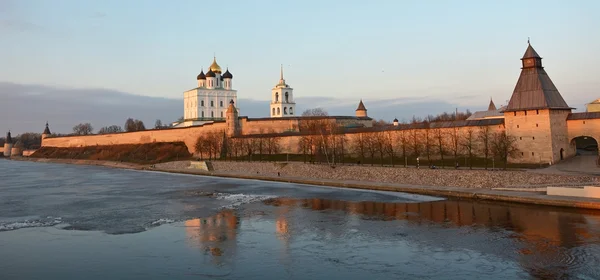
{"x": 208, "y": 102}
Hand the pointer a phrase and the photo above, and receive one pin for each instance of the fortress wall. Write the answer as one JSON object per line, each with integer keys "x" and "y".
{"x": 274, "y": 125}
{"x": 188, "y": 135}
{"x": 585, "y": 127}
{"x": 291, "y": 144}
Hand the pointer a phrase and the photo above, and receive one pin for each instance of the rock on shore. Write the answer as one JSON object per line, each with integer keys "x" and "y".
{"x": 409, "y": 176}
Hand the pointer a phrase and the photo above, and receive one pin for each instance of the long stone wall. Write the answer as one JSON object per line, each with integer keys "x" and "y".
{"x": 189, "y": 135}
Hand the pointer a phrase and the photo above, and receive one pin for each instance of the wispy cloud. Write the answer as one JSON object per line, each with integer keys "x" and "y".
{"x": 98, "y": 15}
{"x": 18, "y": 25}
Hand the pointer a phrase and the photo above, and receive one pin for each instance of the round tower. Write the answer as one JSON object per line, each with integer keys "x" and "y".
{"x": 361, "y": 111}
{"x": 232, "y": 120}
{"x": 17, "y": 149}
{"x": 8, "y": 145}
{"x": 46, "y": 133}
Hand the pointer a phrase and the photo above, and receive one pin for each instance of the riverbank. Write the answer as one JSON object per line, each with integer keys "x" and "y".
{"x": 478, "y": 184}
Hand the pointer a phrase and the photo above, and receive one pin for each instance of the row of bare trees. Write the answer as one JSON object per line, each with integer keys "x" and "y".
{"x": 216, "y": 144}
{"x": 324, "y": 141}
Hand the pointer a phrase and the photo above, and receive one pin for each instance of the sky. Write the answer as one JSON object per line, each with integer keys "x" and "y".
{"x": 457, "y": 52}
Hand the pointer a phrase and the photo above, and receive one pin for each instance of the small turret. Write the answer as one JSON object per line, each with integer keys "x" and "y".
{"x": 361, "y": 111}
{"x": 8, "y": 145}
{"x": 232, "y": 120}
{"x": 46, "y": 133}
{"x": 396, "y": 122}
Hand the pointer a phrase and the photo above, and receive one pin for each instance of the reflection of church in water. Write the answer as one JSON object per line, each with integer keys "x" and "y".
{"x": 534, "y": 228}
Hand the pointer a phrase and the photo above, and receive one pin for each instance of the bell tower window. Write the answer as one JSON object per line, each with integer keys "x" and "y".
{"x": 287, "y": 97}
{"x": 277, "y": 97}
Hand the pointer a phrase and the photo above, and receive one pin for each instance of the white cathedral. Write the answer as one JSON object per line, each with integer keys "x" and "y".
{"x": 208, "y": 102}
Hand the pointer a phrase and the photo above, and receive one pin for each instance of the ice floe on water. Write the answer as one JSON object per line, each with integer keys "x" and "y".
{"x": 236, "y": 200}
{"x": 15, "y": 224}
{"x": 162, "y": 222}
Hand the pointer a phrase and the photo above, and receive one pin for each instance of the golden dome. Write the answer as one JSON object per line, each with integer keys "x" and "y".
{"x": 215, "y": 67}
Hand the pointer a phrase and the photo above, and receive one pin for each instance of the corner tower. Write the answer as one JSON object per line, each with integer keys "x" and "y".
{"x": 536, "y": 115}
{"x": 46, "y": 133}
{"x": 361, "y": 111}
{"x": 8, "y": 145}
{"x": 282, "y": 99}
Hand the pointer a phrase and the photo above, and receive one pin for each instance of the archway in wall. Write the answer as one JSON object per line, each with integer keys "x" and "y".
{"x": 585, "y": 145}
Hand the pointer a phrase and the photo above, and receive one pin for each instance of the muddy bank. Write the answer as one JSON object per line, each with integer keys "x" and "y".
{"x": 147, "y": 153}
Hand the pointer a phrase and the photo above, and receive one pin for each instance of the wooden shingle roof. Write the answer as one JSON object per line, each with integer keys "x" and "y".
{"x": 535, "y": 89}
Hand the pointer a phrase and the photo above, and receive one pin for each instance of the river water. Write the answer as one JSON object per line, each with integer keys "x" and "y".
{"x": 84, "y": 222}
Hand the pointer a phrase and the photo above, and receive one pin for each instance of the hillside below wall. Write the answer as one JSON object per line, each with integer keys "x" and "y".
{"x": 137, "y": 153}
{"x": 187, "y": 135}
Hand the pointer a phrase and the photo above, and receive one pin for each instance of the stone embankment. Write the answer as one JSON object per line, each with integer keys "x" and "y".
{"x": 409, "y": 176}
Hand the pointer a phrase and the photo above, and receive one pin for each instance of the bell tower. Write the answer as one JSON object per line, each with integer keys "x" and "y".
{"x": 282, "y": 99}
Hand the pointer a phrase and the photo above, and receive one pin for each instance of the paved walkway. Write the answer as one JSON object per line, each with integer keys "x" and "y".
{"x": 579, "y": 165}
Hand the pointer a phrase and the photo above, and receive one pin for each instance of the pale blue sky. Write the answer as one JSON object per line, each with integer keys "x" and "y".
{"x": 457, "y": 51}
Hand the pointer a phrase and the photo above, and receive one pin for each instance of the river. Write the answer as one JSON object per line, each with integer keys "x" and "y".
{"x": 62, "y": 221}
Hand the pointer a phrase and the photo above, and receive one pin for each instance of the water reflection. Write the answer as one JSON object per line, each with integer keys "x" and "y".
{"x": 545, "y": 243}
{"x": 548, "y": 243}
{"x": 215, "y": 234}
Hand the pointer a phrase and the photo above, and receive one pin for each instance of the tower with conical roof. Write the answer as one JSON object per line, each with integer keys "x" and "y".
{"x": 8, "y": 145}
{"x": 492, "y": 106}
{"x": 536, "y": 115}
{"x": 46, "y": 133}
{"x": 361, "y": 110}
{"x": 208, "y": 101}
{"x": 282, "y": 99}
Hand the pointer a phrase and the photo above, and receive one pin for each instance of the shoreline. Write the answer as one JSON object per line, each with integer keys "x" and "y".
{"x": 515, "y": 196}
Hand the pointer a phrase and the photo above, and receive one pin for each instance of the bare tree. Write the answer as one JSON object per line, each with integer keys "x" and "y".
{"x": 439, "y": 139}
{"x": 83, "y": 129}
{"x": 359, "y": 146}
{"x": 504, "y": 146}
{"x": 372, "y": 147}
{"x": 134, "y": 125}
{"x": 454, "y": 144}
{"x": 158, "y": 124}
{"x": 315, "y": 112}
{"x": 110, "y": 129}
{"x": 389, "y": 146}
{"x": 428, "y": 142}
{"x": 404, "y": 143}
{"x": 468, "y": 142}
{"x": 484, "y": 136}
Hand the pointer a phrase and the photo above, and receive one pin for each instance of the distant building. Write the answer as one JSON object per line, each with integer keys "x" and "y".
{"x": 593, "y": 106}
{"x": 491, "y": 113}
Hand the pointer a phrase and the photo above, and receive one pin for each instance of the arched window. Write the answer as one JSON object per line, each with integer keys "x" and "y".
{"x": 278, "y": 111}
{"x": 291, "y": 111}
{"x": 202, "y": 103}
{"x": 212, "y": 114}
{"x": 203, "y": 114}
{"x": 277, "y": 97}
{"x": 221, "y": 114}
{"x": 287, "y": 96}
{"x": 221, "y": 103}
{"x": 273, "y": 111}
{"x": 285, "y": 110}
{"x": 212, "y": 103}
